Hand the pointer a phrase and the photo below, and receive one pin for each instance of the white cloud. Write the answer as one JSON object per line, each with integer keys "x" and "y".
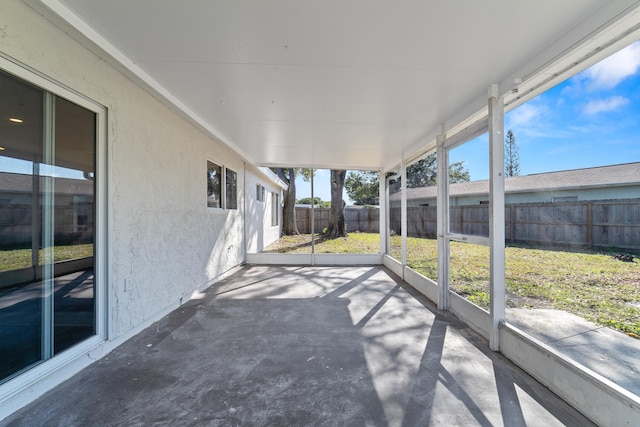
{"x": 537, "y": 119}
{"x": 603, "y": 105}
{"x": 607, "y": 73}
{"x": 526, "y": 115}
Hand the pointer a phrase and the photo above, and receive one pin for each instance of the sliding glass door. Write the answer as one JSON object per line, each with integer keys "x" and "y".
{"x": 47, "y": 217}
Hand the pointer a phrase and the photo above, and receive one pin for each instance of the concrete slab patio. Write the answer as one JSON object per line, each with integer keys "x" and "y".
{"x": 299, "y": 346}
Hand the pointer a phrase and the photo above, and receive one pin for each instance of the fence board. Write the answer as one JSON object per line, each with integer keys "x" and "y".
{"x": 609, "y": 223}
{"x": 360, "y": 219}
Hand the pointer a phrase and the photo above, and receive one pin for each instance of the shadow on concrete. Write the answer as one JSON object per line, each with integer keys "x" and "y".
{"x": 298, "y": 346}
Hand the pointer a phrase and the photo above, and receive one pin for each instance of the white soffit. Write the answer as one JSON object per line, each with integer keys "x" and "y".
{"x": 335, "y": 84}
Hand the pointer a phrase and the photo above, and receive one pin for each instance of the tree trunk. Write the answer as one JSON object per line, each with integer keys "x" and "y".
{"x": 337, "y": 226}
{"x": 289, "y": 226}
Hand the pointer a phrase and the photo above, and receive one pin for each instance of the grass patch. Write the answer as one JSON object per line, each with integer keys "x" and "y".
{"x": 590, "y": 284}
{"x": 21, "y": 258}
{"x": 356, "y": 243}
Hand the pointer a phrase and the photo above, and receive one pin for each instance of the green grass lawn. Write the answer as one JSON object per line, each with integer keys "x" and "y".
{"x": 590, "y": 284}
{"x": 356, "y": 243}
{"x": 21, "y": 258}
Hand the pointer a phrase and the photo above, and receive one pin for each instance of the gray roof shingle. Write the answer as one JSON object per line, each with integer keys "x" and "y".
{"x": 22, "y": 183}
{"x": 622, "y": 175}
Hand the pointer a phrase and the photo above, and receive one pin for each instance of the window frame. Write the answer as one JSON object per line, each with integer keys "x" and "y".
{"x": 228, "y": 204}
{"x": 224, "y": 196}
{"x": 221, "y": 185}
{"x": 102, "y": 293}
{"x": 260, "y": 193}
{"x": 275, "y": 212}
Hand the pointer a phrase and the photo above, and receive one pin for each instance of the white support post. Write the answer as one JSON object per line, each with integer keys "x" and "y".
{"x": 403, "y": 211}
{"x": 442, "y": 203}
{"x": 383, "y": 192}
{"x": 496, "y": 215}
{"x": 313, "y": 221}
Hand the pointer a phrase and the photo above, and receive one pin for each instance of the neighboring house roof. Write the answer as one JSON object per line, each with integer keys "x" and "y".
{"x": 21, "y": 183}
{"x": 623, "y": 175}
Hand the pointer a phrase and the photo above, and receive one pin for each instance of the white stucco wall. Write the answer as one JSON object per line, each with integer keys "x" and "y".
{"x": 162, "y": 236}
{"x": 260, "y": 233}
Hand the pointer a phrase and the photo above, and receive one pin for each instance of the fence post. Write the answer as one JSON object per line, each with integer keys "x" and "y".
{"x": 512, "y": 224}
{"x": 590, "y": 225}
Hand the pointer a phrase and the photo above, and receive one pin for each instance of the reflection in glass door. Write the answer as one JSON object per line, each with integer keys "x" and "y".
{"x": 47, "y": 217}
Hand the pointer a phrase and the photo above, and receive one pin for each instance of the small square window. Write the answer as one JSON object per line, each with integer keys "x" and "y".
{"x": 214, "y": 185}
{"x": 260, "y": 193}
{"x": 231, "y": 185}
{"x": 274, "y": 209}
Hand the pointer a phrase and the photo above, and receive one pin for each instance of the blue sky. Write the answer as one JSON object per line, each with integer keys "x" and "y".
{"x": 321, "y": 186}
{"x": 591, "y": 119}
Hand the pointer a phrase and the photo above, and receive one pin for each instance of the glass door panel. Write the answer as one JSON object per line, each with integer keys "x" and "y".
{"x": 73, "y": 227}
{"x": 21, "y": 131}
{"x": 47, "y": 205}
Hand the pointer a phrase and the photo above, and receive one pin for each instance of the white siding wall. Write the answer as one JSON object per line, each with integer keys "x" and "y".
{"x": 260, "y": 233}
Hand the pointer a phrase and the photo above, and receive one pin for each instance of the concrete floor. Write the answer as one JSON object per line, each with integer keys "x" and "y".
{"x": 299, "y": 346}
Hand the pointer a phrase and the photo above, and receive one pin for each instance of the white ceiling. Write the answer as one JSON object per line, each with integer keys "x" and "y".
{"x": 335, "y": 83}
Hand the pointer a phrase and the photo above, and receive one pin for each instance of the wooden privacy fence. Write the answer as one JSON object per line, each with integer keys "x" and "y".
{"x": 606, "y": 223}
{"x": 71, "y": 225}
{"x": 366, "y": 220}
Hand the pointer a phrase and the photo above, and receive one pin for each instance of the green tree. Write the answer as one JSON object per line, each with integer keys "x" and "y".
{"x": 363, "y": 187}
{"x": 458, "y": 173}
{"x": 317, "y": 202}
{"x": 423, "y": 173}
{"x": 511, "y": 155}
{"x": 306, "y": 174}
{"x": 337, "y": 223}
{"x": 288, "y": 175}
